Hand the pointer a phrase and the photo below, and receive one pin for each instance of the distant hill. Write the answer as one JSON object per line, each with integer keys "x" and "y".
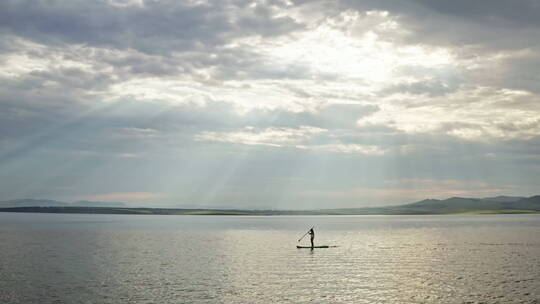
{"x": 499, "y": 204}
{"x": 32, "y": 203}
{"x": 530, "y": 203}
{"x": 503, "y": 199}
{"x": 453, "y": 205}
{"x": 52, "y": 203}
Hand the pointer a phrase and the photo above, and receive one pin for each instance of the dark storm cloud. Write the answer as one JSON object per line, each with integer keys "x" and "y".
{"x": 498, "y": 24}
{"x": 154, "y": 27}
{"x": 139, "y": 64}
{"x": 158, "y": 38}
{"x": 519, "y": 71}
{"x": 502, "y": 13}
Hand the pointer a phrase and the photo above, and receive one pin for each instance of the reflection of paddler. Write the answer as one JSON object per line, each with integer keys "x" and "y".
{"x": 312, "y": 234}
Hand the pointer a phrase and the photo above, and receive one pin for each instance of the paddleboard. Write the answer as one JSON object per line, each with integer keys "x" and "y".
{"x": 326, "y": 246}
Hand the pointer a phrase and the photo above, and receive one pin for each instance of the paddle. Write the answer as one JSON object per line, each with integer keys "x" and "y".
{"x": 305, "y": 234}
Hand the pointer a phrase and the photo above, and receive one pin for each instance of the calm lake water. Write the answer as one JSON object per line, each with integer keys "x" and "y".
{"x": 68, "y": 258}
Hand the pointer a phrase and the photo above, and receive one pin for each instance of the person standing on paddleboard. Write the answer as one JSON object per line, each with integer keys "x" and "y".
{"x": 312, "y": 235}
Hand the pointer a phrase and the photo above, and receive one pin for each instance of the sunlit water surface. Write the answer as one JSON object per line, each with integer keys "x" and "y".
{"x": 61, "y": 258}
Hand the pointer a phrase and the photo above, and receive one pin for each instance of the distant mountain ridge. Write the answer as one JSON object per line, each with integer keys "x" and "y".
{"x": 52, "y": 203}
{"x": 462, "y": 205}
{"x": 503, "y": 198}
{"x": 453, "y": 205}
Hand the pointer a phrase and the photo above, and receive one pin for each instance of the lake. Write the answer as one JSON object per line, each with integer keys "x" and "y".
{"x": 72, "y": 258}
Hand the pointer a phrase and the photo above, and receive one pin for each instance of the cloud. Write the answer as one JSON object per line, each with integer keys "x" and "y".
{"x": 300, "y": 95}
{"x": 153, "y": 27}
{"x": 463, "y": 23}
{"x": 474, "y": 114}
{"x": 348, "y": 148}
{"x": 268, "y": 137}
{"x": 431, "y": 87}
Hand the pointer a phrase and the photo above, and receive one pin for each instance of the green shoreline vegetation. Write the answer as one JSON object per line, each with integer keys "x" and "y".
{"x": 501, "y": 212}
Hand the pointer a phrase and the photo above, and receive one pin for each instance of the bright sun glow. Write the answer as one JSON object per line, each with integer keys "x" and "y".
{"x": 329, "y": 51}
{"x": 341, "y": 57}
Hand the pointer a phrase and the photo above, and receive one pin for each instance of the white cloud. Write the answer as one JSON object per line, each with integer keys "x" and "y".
{"x": 278, "y": 137}
{"x": 476, "y": 114}
{"x": 347, "y": 148}
{"x": 304, "y": 137}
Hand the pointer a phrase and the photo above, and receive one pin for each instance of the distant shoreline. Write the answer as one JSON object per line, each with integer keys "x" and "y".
{"x": 453, "y": 205}
{"x": 167, "y": 211}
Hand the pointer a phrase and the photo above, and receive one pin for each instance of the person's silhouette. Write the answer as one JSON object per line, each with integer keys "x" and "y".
{"x": 312, "y": 234}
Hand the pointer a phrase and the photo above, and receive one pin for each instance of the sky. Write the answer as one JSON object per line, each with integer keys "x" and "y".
{"x": 279, "y": 104}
